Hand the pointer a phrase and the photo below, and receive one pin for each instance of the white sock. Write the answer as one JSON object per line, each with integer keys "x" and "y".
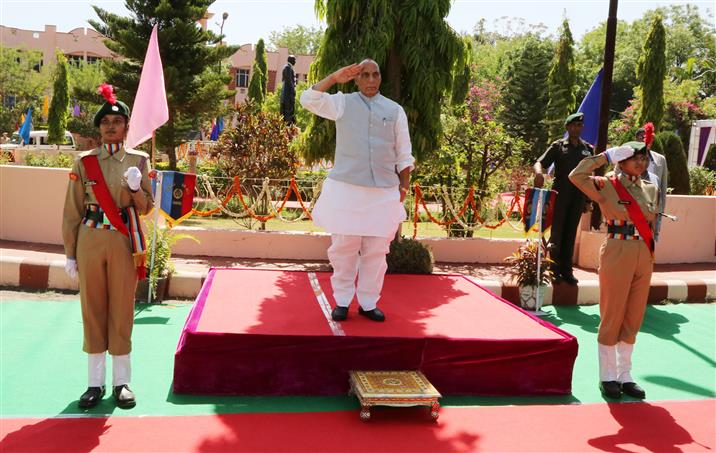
{"x": 121, "y": 370}
{"x": 96, "y": 369}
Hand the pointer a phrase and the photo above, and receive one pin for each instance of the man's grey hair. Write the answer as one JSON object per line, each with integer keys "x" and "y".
{"x": 370, "y": 60}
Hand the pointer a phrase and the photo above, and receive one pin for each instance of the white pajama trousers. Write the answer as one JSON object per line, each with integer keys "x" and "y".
{"x": 362, "y": 257}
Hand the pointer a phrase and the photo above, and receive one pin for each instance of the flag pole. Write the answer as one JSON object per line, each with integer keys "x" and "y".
{"x": 157, "y": 204}
{"x": 538, "y": 299}
{"x": 154, "y": 149}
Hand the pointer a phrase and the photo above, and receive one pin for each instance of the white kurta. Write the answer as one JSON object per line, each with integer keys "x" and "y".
{"x": 350, "y": 209}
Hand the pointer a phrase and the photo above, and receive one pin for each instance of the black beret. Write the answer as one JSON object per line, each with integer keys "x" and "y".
{"x": 119, "y": 108}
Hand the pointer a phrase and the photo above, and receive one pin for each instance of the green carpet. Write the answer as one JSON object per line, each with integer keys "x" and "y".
{"x": 43, "y": 369}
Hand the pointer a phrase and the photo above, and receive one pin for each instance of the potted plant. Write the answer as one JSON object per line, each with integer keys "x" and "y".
{"x": 161, "y": 268}
{"x": 523, "y": 267}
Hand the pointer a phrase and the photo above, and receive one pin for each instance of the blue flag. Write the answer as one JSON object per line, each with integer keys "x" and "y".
{"x": 590, "y": 107}
{"x": 220, "y": 124}
{"x": 26, "y": 127}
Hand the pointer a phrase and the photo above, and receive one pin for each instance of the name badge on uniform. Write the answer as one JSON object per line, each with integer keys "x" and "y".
{"x": 90, "y": 182}
{"x": 624, "y": 202}
{"x": 585, "y": 152}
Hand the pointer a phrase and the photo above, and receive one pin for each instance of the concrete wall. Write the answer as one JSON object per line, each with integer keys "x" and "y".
{"x": 31, "y": 200}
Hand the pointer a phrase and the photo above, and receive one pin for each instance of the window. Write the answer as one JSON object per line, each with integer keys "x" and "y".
{"x": 242, "y": 78}
{"x": 38, "y": 66}
{"x": 75, "y": 60}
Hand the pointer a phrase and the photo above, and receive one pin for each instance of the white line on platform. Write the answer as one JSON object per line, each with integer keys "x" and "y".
{"x": 325, "y": 306}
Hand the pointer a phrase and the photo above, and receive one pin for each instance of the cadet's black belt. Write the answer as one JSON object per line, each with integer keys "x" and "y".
{"x": 622, "y": 230}
{"x": 628, "y": 229}
{"x": 95, "y": 218}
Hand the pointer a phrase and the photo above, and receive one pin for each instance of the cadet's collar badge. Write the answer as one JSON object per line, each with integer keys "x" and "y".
{"x": 73, "y": 176}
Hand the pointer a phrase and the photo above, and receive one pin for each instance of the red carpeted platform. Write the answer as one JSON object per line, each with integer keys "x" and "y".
{"x": 269, "y": 332}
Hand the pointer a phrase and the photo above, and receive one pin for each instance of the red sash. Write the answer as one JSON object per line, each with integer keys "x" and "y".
{"x": 635, "y": 214}
{"x": 106, "y": 203}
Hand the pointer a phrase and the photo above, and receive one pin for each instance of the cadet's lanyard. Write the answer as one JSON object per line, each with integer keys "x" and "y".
{"x": 635, "y": 214}
{"x": 101, "y": 192}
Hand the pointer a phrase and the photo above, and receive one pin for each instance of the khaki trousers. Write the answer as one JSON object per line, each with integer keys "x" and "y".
{"x": 625, "y": 268}
{"x": 108, "y": 280}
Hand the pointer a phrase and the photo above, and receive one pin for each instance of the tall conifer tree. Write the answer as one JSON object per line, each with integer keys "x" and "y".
{"x": 561, "y": 82}
{"x": 195, "y": 79}
{"x": 60, "y": 105}
{"x": 525, "y": 96}
{"x": 650, "y": 72}
{"x": 262, "y": 61}
{"x": 416, "y": 65}
{"x": 256, "y": 93}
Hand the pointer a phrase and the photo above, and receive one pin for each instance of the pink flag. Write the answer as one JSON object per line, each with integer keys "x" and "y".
{"x": 150, "y": 106}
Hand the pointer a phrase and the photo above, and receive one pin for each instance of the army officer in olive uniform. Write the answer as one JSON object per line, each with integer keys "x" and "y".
{"x": 103, "y": 254}
{"x": 565, "y": 154}
{"x": 629, "y": 205}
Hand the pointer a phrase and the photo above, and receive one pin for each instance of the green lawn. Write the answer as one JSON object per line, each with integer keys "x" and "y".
{"x": 425, "y": 229}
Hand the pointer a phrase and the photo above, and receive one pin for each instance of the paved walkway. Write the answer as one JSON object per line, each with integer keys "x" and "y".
{"x": 41, "y": 266}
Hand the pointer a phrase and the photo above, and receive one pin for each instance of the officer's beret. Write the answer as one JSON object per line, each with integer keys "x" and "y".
{"x": 638, "y": 147}
{"x": 579, "y": 116}
{"x": 118, "y": 108}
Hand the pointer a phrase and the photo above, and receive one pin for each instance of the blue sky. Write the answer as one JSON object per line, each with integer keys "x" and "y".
{"x": 250, "y": 20}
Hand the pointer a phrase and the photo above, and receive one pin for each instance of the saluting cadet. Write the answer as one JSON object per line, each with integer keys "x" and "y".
{"x": 565, "y": 154}
{"x": 630, "y": 206}
{"x": 109, "y": 188}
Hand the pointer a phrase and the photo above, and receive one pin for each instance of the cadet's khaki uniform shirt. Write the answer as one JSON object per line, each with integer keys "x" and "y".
{"x": 107, "y": 273}
{"x": 625, "y": 266}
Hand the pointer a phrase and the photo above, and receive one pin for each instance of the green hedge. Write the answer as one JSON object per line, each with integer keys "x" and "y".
{"x": 408, "y": 256}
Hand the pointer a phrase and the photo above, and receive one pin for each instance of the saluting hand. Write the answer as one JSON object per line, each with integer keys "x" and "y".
{"x": 346, "y": 73}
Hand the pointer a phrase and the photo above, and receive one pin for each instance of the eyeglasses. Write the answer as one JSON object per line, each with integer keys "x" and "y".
{"x": 116, "y": 122}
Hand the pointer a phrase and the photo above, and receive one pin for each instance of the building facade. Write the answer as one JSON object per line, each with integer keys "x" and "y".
{"x": 80, "y": 44}
{"x": 85, "y": 44}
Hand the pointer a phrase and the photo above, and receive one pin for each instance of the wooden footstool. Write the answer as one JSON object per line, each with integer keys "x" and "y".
{"x": 393, "y": 388}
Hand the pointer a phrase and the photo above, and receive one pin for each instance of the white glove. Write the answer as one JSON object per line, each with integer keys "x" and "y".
{"x": 619, "y": 153}
{"x": 134, "y": 178}
{"x": 71, "y": 268}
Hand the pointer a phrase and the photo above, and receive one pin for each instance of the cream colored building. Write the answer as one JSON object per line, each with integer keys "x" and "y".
{"x": 86, "y": 44}
{"x": 241, "y": 69}
{"x": 78, "y": 44}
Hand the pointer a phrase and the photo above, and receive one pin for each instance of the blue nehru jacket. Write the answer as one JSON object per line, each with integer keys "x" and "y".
{"x": 365, "y": 142}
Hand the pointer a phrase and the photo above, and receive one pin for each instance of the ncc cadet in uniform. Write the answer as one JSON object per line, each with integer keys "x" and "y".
{"x": 630, "y": 206}
{"x": 109, "y": 188}
{"x": 565, "y": 154}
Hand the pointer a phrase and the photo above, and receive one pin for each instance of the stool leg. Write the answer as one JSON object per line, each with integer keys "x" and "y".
{"x": 365, "y": 413}
{"x": 434, "y": 411}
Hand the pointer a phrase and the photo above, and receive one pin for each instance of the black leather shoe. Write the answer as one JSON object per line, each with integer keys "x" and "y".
{"x": 570, "y": 280}
{"x": 634, "y": 390}
{"x": 610, "y": 389}
{"x": 124, "y": 397}
{"x": 374, "y": 314}
{"x": 91, "y": 397}
{"x": 339, "y": 313}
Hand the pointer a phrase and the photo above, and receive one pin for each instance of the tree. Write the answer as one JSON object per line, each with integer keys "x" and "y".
{"x": 23, "y": 82}
{"x": 416, "y": 66}
{"x": 299, "y": 40}
{"x": 462, "y": 75}
{"x": 261, "y": 61}
{"x": 669, "y": 144}
{"x": 84, "y": 80}
{"x": 194, "y": 76}
{"x": 561, "y": 82}
{"x": 256, "y": 92}
{"x": 60, "y": 105}
{"x": 650, "y": 71}
{"x": 525, "y": 96}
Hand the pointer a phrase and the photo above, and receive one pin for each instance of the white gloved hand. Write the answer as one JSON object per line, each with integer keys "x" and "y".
{"x": 71, "y": 268}
{"x": 619, "y": 153}
{"x": 134, "y": 178}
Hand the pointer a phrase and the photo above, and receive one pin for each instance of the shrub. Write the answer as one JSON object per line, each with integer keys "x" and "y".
{"x": 523, "y": 264}
{"x": 408, "y": 256}
{"x": 702, "y": 180}
{"x": 669, "y": 144}
{"x": 60, "y": 160}
{"x": 710, "y": 161}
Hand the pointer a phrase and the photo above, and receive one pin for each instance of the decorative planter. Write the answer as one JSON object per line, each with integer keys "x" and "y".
{"x": 142, "y": 292}
{"x": 528, "y": 297}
